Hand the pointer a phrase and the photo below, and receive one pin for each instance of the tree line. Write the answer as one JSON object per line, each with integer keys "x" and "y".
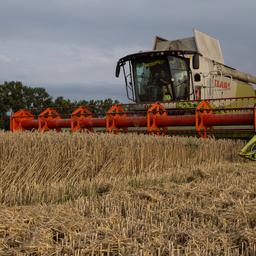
{"x": 15, "y": 96}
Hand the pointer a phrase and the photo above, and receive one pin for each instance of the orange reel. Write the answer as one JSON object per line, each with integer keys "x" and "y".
{"x": 202, "y": 110}
{"x": 154, "y": 111}
{"x": 77, "y": 117}
{"x": 17, "y": 119}
{"x": 114, "y": 113}
{"x": 46, "y": 116}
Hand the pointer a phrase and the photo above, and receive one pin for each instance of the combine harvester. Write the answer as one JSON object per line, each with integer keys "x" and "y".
{"x": 181, "y": 87}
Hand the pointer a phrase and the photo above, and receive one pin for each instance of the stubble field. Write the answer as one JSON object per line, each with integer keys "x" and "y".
{"x": 103, "y": 194}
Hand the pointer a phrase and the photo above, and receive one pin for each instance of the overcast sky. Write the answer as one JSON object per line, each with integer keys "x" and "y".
{"x": 71, "y": 46}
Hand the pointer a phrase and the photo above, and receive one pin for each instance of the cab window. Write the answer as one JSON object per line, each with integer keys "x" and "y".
{"x": 180, "y": 77}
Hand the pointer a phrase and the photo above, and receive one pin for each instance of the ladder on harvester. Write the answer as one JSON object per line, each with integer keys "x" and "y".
{"x": 249, "y": 150}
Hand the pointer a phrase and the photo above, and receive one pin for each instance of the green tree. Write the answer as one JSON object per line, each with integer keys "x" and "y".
{"x": 97, "y": 107}
{"x": 15, "y": 96}
{"x": 100, "y": 107}
{"x": 64, "y": 106}
{"x": 37, "y": 97}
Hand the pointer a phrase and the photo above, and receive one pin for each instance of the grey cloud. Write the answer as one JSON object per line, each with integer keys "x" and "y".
{"x": 5, "y": 59}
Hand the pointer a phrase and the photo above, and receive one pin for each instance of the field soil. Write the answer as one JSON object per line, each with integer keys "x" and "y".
{"x": 104, "y": 194}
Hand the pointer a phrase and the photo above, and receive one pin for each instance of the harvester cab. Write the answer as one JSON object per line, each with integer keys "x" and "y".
{"x": 156, "y": 76}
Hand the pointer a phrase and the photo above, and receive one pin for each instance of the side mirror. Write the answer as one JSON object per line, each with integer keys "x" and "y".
{"x": 118, "y": 66}
{"x": 196, "y": 61}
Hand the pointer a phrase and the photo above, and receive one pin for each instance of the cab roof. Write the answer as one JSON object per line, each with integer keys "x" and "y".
{"x": 153, "y": 54}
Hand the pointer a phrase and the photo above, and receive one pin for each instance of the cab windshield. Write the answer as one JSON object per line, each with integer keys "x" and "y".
{"x": 160, "y": 79}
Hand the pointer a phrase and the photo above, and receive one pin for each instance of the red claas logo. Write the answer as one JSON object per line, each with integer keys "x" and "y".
{"x": 221, "y": 84}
